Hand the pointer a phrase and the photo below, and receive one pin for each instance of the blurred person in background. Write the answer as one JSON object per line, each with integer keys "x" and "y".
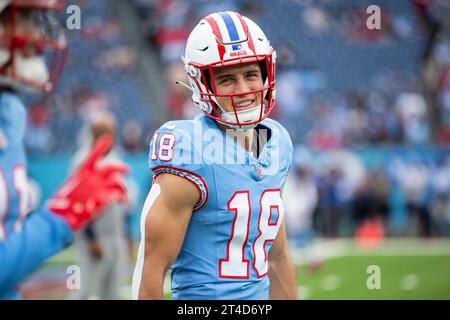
{"x": 370, "y": 208}
{"x": 28, "y": 29}
{"x": 330, "y": 210}
{"x": 415, "y": 182}
{"x": 341, "y": 173}
{"x": 132, "y": 136}
{"x": 301, "y": 198}
{"x": 440, "y": 209}
{"x": 102, "y": 247}
{"x": 38, "y": 137}
{"x": 370, "y": 200}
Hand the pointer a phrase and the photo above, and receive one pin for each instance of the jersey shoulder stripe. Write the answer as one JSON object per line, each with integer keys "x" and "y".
{"x": 190, "y": 176}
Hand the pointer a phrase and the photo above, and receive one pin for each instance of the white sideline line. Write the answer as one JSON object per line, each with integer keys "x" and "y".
{"x": 303, "y": 292}
{"x": 325, "y": 249}
{"x": 409, "y": 282}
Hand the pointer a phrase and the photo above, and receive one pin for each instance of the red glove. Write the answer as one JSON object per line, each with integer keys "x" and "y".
{"x": 90, "y": 188}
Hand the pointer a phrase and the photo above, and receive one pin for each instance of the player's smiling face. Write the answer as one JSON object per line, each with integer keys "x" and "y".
{"x": 239, "y": 79}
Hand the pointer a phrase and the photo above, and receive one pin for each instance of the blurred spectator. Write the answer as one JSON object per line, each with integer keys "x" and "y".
{"x": 39, "y": 137}
{"x": 132, "y": 137}
{"x": 120, "y": 59}
{"x": 440, "y": 209}
{"x": 353, "y": 24}
{"x": 316, "y": 19}
{"x": 371, "y": 199}
{"x": 342, "y": 173}
{"x": 301, "y": 198}
{"x": 101, "y": 248}
{"x": 414, "y": 178}
{"x": 411, "y": 108}
{"x": 330, "y": 212}
{"x": 93, "y": 104}
{"x": 290, "y": 103}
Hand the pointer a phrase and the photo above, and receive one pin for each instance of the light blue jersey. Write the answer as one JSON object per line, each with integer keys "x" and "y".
{"x": 225, "y": 251}
{"x": 25, "y": 240}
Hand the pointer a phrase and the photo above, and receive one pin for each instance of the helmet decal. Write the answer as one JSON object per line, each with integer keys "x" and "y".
{"x": 215, "y": 28}
{"x": 245, "y": 26}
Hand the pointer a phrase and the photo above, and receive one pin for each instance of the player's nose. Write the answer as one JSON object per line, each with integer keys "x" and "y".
{"x": 242, "y": 85}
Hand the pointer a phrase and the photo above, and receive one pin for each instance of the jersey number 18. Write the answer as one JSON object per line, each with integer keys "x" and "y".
{"x": 235, "y": 265}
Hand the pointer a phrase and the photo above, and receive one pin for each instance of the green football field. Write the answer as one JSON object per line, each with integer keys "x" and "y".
{"x": 400, "y": 277}
{"x": 400, "y": 269}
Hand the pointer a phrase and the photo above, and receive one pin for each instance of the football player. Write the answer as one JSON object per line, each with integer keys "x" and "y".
{"x": 27, "y": 29}
{"x": 214, "y": 213}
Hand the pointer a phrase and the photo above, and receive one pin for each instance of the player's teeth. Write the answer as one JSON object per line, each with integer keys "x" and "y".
{"x": 244, "y": 104}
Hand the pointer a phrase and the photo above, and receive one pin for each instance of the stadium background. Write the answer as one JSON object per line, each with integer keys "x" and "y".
{"x": 368, "y": 111}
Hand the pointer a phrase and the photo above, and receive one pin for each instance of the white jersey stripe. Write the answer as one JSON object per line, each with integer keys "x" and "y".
{"x": 137, "y": 276}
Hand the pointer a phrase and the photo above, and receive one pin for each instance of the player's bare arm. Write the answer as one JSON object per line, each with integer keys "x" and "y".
{"x": 165, "y": 228}
{"x": 281, "y": 270}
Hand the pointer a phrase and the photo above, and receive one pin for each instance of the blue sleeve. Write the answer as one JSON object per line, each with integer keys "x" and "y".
{"x": 43, "y": 234}
{"x": 173, "y": 151}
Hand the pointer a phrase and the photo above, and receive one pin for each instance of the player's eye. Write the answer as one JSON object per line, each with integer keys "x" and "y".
{"x": 253, "y": 75}
{"x": 226, "y": 80}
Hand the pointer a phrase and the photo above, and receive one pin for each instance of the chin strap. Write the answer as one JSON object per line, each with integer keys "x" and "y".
{"x": 249, "y": 115}
{"x": 28, "y": 71}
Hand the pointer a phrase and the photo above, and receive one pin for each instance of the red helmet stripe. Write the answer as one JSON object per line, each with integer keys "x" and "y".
{"x": 216, "y": 31}
{"x": 245, "y": 27}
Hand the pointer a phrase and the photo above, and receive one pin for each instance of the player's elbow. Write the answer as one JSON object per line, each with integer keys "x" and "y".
{"x": 157, "y": 260}
{"x": 279, "y": 255}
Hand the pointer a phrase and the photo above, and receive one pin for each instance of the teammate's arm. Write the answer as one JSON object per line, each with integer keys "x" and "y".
{"x": 281, "y": 270}
{"x": 165, "y": 225}
{"x": 42, "y": 236}
{"x": 49, "y": 230}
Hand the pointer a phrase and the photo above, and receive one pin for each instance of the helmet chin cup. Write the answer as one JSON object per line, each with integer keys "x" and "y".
{"x": 249, "y": 115}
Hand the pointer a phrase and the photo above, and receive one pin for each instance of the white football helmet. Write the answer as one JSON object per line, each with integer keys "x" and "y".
{"x": 228, "y": 39}
{"x": 32, "y": 28}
